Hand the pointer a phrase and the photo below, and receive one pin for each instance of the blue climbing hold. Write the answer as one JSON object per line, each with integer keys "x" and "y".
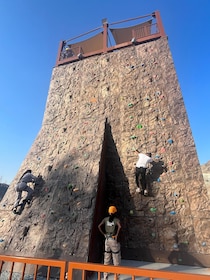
{"x": 170, "y": 141}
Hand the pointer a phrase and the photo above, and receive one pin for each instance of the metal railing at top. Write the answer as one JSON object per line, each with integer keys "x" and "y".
{"x": 35, "y": 268}
{"x": 69, "y": 52}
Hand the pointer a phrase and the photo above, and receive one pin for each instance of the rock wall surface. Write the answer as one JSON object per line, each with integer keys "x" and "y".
{"x": 98, "y": 111}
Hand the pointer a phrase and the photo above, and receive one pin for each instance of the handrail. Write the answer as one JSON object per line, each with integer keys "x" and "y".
{"x": 131, "y": 271}
{"x": 67, "y": 54}
{"x": 85, "y": 268}
{"x": 49, "y": 263}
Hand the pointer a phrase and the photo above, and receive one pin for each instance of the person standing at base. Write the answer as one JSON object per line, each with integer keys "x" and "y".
{"x": 140, "y": 173}
{"x": 21, "y": 186}
{"x": 111, "y": 231}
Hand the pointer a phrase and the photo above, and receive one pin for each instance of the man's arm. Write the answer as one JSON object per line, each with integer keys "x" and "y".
{"x": 100, "y": 227}
{"x": 118, "y": 230}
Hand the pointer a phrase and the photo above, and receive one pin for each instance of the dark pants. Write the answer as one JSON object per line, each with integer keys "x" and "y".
{"x": 141, "y": 177}
{"x": 20, "y": 187}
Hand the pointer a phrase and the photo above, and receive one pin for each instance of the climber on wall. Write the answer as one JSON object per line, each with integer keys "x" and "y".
{"x": 140, "y": 172}
{"x": 21, "y": 186}
{"x": 111, "y": 230}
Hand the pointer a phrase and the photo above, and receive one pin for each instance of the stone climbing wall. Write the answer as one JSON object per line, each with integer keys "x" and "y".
{"x": 98, "y": 111}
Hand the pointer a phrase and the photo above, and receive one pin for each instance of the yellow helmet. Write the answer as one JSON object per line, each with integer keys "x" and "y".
{"x": 112, "y": 210}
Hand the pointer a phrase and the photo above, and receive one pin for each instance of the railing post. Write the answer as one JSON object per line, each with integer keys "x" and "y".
{"x": 105, "y": 35}
{"x": 159, "y": 24}
{"x": 59, "y": 52}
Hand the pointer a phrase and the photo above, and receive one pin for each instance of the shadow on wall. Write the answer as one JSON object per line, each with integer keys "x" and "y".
{"x": 181, "y": 256}
{"x": 154, "y": 173}
{"x": 113, "y": 189}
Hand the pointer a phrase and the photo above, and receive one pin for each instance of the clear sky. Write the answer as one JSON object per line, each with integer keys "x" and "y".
{"x": 30, "y": 32}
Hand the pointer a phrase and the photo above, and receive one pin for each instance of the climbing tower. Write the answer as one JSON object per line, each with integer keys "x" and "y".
{"x": 110, "y": 94}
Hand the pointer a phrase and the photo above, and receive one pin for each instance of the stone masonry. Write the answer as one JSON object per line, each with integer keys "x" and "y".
{"x": 98, "y": 111}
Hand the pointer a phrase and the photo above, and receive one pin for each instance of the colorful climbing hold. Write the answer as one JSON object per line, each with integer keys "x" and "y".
{"x": 170, "y": 141}
{"x": 175, "y": 246}
{"x": 153, "y": 210}
{"x": 70, "y": 186}
{"x": 130, "y": 104}
{"x": 133, "y": 137}
{"x": 139, "y": 126}
{"x": 173, "y": 213}
{"x": 158, "y": 180}
{"x": 153, "y": 234}
{"x": 131, "y": 212}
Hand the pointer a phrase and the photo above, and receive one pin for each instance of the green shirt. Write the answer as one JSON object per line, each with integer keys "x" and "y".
{"x": 111, "y": 227}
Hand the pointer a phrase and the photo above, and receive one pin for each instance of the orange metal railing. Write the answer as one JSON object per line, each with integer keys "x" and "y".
{"x": 32, "y": 266}
{"x": 129, "y": 271}
{"x": 78, "y": 270}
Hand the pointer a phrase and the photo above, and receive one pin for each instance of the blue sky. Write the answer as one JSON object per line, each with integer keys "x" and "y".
{"x": 30, "y": 32}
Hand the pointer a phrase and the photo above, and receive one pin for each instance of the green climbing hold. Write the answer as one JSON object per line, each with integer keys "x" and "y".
{"x": 70, "y": 186}
{"x": 153, "y": 210}
{"x": 133, "y": 137}
{"x": 130, "y": 104}
{"x": 139, "y": 126}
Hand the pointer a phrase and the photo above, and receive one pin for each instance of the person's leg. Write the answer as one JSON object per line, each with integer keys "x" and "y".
{"x": 143, "y": 178}
{"x": 107, "y": 256}
{"x": 116, "y": 253}
{"x": 137, "y": 174}
{"x": 30, "y": 193}
{"x": 19, "y": 196}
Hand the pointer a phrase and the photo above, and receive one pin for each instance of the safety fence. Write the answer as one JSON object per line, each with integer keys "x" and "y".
{"x": 33, "y": 268}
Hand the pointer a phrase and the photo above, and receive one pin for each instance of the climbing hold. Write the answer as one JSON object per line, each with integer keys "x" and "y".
{"x": 130, "y": 104}
{"x": 1, "y": 240}
{"x": 172, "y": 170}
{"x": 147, "y": 98}
{"x": 173, "y": 213}
{"x": 175, "y": 194}
{"x": 162, "y": 150}
{"x": 133, "y": 137}
{"x": 131, "y": 212}
{"x": 175, "y": 246}
{"x": 131, "y": 117}
{"x": 203, "y": 243}
{"x": 170, "y": 141}
{"x": 139, "y": 126}
{"x": 153, "y": 210}
{"x": 76, "y": 167}
{"x": 162, "y": 119}
{"x": 70, "y": 186}
{"x": 157, "y": 156}
{"x": 158, "y": 180}
{"x": 153, "y": 234}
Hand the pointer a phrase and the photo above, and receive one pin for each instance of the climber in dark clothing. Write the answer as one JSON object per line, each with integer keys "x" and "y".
{"x": 21, "y": 186}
